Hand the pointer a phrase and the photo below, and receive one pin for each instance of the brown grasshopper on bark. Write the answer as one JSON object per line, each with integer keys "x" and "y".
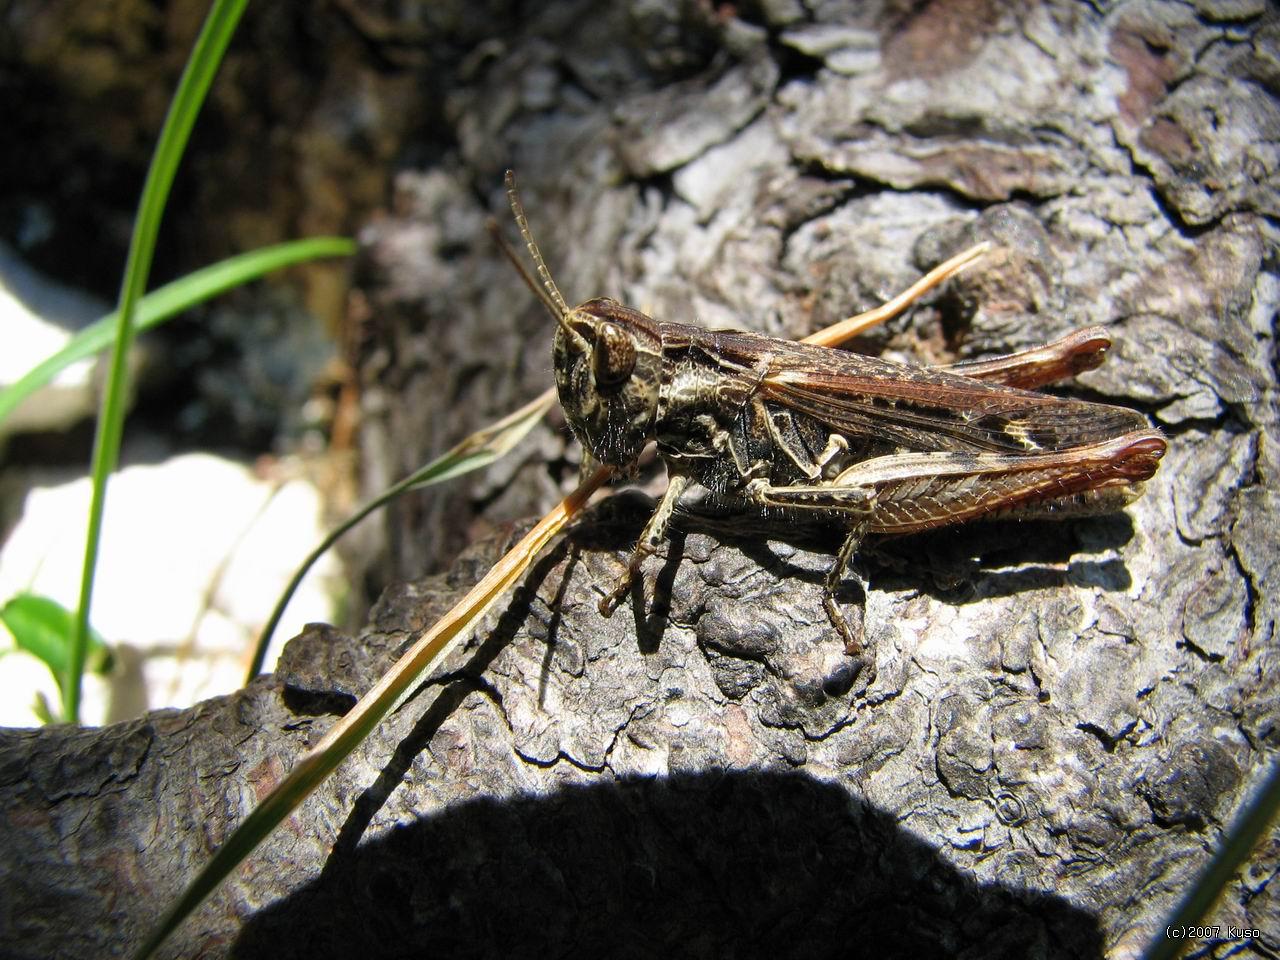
{"x": 878, "y": 446}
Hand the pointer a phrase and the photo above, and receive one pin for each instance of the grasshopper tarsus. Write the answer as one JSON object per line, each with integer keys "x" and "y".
{"x": 609, "y": 603}
{"x": 854, "y": 637}
{"x": 885, "y": 448}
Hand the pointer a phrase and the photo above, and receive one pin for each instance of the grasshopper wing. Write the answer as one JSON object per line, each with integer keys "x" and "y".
{"x": 920, "y": 409}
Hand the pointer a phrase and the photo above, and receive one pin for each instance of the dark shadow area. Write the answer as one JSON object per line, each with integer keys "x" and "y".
{"x": 947, "y": 563}
{"x": 706, "y": 865}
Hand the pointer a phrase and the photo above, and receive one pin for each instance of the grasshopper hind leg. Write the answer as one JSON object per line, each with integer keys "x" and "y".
{"x": 853, "y": 634}
{"x": 861, "y": 503}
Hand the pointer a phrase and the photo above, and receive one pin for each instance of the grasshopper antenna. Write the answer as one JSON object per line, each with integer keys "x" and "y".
{"x": 548, "y": 292}
{"x": 496, "y": 232}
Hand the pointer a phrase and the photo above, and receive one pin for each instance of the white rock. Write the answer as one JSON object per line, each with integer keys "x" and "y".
{"x": 195, "y": 552}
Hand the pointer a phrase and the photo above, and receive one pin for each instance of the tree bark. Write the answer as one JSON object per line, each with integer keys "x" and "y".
{"x": 1063, "y": 716}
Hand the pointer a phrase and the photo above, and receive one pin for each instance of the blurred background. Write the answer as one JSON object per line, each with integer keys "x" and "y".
{"x": 239, "y": 449}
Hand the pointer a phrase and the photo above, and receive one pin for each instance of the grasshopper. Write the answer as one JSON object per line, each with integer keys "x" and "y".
{"x": 879, "y": 447}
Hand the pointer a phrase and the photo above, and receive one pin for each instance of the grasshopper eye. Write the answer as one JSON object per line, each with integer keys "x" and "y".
{"x": 614, "y": 357}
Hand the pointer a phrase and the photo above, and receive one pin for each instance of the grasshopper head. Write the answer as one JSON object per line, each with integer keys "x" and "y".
{"x": 607, "y": 363}
{"x": 607, "y": 358}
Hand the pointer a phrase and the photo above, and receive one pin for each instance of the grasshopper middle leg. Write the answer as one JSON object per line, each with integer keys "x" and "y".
{"x": 845, "y": 562}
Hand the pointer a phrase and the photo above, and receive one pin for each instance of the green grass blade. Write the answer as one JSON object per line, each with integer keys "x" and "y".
{"x": 350, "y": 731}
{"x": 1236, "y": 848}
{"x": 171, "y": 299}
{"x": 192, "y": 88}
{"x": 476, "y": 451}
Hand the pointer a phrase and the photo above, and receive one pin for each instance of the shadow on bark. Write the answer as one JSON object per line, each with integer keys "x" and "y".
{"x": 750, "y": 863}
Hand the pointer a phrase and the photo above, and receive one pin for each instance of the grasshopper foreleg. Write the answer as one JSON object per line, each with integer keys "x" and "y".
{"x": 655, "y": 531}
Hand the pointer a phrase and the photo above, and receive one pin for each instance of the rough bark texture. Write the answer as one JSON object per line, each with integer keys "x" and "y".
{"x": 1063, "y": 717}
